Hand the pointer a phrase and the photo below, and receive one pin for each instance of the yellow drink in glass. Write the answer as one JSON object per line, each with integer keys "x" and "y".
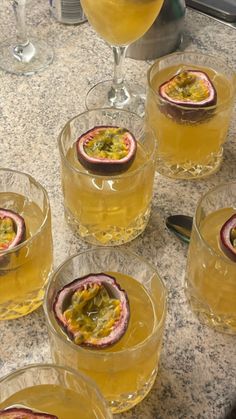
{"x": 189, "y": 147}
{"x": 123, "y": 371}
{"x": 210, "y": 277}
{"x": 107, "y": 209}
{"x": 24, "y": 269}
{"x": 53, "y": 390}
{"x": 121, "y": 22}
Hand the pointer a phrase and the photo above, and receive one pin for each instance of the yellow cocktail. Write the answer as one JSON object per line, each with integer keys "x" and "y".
{"x": 107, "y": 208}
{"x": 25, "y": 267}
{"x": 210, "y": 277}
{"x": 56, "y": 392}
{"x": 121, "y": 22}
{"x": 123, "y": 371}
{"x": 190, "y": 140}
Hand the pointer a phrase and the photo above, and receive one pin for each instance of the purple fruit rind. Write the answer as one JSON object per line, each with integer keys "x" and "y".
{"x": 110, "y": 283}
{"x": 225, "y": 241}
{"x": 183, "y": 111}
{"x": 206, "y": 102}
{"x": 105, "y": 166}
{"x": 16, "y": 413}
{"x": 20, "y": 226}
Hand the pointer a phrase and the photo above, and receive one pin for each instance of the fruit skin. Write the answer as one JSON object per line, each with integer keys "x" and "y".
{"x": 64, "y": 296}
{"x": 20, "y": 236}
{"x": 225, "y": 241}
{"x": 24, "y": 413}
{"x": 105, "y": 166}
{"x": 187, "y": 111}
{"x": 19, "y": 223}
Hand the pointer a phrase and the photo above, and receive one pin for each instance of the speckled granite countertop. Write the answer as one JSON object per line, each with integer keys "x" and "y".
{"x": 197, "y": 375}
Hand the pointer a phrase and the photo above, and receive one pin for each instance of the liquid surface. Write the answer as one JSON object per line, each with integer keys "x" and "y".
{"x": 55, "y": 400}
{"x": 121, "y": 22}
{"x": 24, "y": 272}
{"x": 189, "y": 148}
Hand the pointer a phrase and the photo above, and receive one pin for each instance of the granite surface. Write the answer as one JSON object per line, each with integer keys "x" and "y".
{"x": 197, "y": 375}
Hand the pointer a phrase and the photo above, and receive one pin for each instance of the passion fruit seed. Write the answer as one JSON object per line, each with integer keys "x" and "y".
{"x": 93, "y": 310}
{"x": 24, "y": 413}
{"x": 12, "y": 229}
{"x": 228, "y": 238}
{"x": 189, "y": 88}
{"x": 106, "y": 149}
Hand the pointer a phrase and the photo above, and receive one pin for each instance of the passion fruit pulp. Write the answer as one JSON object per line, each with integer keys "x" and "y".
{"x": 191, "y": 91}
{"x": 106, "y": 149}
{"x": 228, "y": 238}
{"x": 12, "y": 229}
{"x": 93, "y": 310}
{"x": 24, "y": 413}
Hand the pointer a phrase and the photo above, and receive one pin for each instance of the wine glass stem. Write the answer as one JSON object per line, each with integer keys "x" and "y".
{"x": 118, "y": 95}
{"x": 19, "y": 11}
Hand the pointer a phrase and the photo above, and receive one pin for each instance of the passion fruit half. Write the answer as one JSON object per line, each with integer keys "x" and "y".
{"x": 228, "y": 238}
{"x": 106, "y": 149}
{"x": 12, "y": 229}
{"x": 93, "y": 310}
{"x": 192, "y": 90}
{"x": 24, "y": 413}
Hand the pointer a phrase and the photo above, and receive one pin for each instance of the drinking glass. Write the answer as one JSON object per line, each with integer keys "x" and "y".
{"x": 54, "y": 390}
{"x": 210, "y": 277}
{"x": 23, "y": 55}
{"x": 125, "y": 371}
{"x": 190, "y": 140}
{"x": 107, "y": 209}
{"x": 119, "y": 22}
{"x": 24, "y": 268}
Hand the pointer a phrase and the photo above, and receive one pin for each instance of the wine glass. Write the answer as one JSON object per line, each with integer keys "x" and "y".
{"x": 23, "y": 55}
{"x": 119, "y": 22}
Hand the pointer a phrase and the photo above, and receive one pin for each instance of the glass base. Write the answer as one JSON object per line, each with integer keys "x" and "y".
{"x": 218, "y": 321}
{"x": 102, "y": 95}
{"x": 111, "y": 235}
{"x": 25, "y": 59}
{"x": 190, "y": 170}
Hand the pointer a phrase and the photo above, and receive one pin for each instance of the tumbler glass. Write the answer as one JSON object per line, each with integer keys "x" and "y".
{"x": 53, "y": 392}
{"x": 24, "y": 267}
{"x": 107, "y": 209}
{"x": 210, "y": 275}
{"x": 189, "y": 115}
{"x": 126, "y": 370}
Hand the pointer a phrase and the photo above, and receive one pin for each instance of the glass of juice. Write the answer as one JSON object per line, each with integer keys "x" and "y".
{"x": 210, "y": 277}
{"x": 189, "y": 106}
{"x": 26, "y": 250}
{"x": 108, "y": 191}
{"x": 119, "y": 23}
{"x": 105, "y": 311}
{"x": 47, "y": 391}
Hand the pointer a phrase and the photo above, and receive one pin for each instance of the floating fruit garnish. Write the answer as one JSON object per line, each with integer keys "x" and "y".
{"x": 228, "y": 238}
{"x": 12, "y": 229}
{"x": 24, "y": 413}
{"x": 190, "y": 89}
{"x": 93, "y": 310}
{"x": 106, "y": 149}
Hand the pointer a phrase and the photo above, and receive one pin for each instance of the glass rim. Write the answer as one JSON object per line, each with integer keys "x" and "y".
{"x": 197, "y": 211}
{"x": 43, "y": 223}
{"x": 113, "y": 177}
{"x": 100, "y": 352}
{"x": 77, "y": 373}
{"x": 198, "y": 54}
